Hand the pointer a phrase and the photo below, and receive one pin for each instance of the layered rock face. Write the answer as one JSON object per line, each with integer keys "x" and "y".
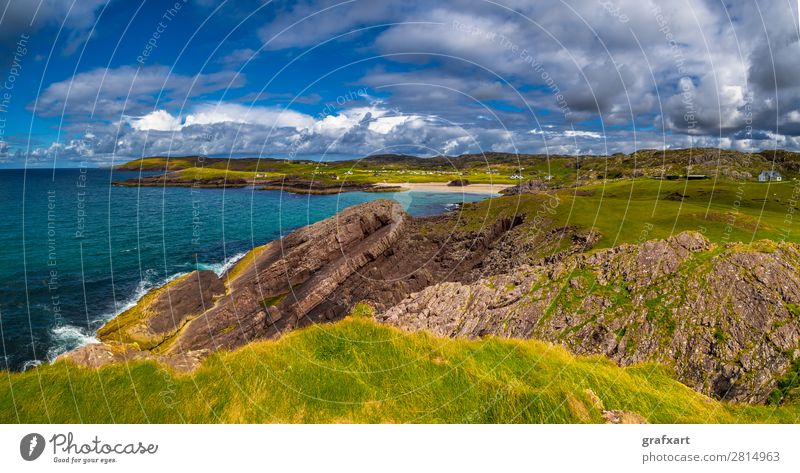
{"x": 271, "y": 290}
{"x": 724, "y": 317}
{"x": 370, "y": 252}
{"x": 419, "y": 258}
{"x": 161, "y": 313}
{"x": 277, "y": 285}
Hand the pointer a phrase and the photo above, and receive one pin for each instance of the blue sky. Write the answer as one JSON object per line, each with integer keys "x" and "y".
{"x": 101, "y": 82}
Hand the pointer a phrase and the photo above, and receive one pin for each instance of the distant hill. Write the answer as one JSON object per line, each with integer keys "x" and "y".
{"x": 647, "y": 162}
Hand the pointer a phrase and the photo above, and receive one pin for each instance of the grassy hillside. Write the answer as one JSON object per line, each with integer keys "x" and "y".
{"x": 326, "y": 173}
{"x": 490, "y": 167}
{"x": 634, "y": 210}
{"x": 359, "y": 371}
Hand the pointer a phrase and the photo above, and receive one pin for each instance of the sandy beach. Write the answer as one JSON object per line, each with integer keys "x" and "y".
{"x": 443, "y": 187}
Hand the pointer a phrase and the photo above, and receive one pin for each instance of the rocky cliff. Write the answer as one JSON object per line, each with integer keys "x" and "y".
{"x": 370, "y": 252}
{"x": 724, "y": 317}
{"x": 271, "y": 290}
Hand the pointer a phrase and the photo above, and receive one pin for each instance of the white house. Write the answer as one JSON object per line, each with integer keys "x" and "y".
{"x": 767, "y": 176}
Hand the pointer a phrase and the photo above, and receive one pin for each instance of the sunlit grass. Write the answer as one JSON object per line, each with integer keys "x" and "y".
{"x": 208, "y": 173}
{"x": 634, "y": 210}
{"x": 356, "y": 370}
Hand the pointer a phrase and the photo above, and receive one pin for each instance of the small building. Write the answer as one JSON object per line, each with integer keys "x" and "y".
{"x": 516, "y": 176}
{"x": 767, "y": 176}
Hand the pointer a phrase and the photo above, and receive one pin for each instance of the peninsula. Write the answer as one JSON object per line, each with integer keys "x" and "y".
{"x": 668, "y": 293}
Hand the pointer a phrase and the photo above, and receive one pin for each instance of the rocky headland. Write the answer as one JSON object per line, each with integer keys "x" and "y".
{"x": 725, "y": 318}
{"x": 175, "y": 180}
{"x": 292, "y": 184}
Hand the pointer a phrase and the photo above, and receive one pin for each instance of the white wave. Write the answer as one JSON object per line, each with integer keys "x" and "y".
{"x": 224, "y": 266}
{"x": 31, "y": 364}
{"x": 67, "y": 338}
{"x": 145, "y": 285}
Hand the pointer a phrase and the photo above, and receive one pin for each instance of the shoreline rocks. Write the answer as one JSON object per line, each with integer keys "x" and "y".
{"x": 270, "y": 291}
{"x": 725, "y": 318}
{"x": 291, "y": 184}
{"x": 162, "y": 312}
{"x": 176, "y": 180}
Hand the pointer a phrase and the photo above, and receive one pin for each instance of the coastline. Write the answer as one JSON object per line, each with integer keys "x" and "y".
{"x": 303, "y": 186}
{"x": 145, "y": 288}
{"x": 86, "y": 336}
{"x": 206, "y": 321}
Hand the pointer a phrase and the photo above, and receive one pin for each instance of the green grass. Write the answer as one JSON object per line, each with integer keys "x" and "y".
{"x": 498, "y": 167}
{"x": 357, "y": 370}
{"x": 208, "y": 173}
{"x": 636, "y": 210}
{"x": 274, "y": 169}
{"x": 326, "y": 174}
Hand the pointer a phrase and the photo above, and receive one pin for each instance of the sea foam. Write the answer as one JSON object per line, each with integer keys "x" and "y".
{"x": 67, "y": 337}
{"x": 222, "y": 267}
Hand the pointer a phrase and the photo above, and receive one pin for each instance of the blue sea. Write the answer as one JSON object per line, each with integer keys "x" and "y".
{"x": 75, "y": 250}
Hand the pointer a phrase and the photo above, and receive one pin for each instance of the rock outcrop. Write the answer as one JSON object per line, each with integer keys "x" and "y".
{"x": 175, "y": 179}
{"x": 724, "y": 318}
{"x": 527, "y": 187}
{"x": 97, "y": 355}
{"x": 372, "y": 252}
{"x": 299, "y": 185}
{"x": 161, "y": 313}
{"x": 274, "y": 288}
{"x": 271, "y": 290}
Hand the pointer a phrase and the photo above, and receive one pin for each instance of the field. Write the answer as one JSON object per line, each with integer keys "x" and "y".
{"x": 328, "y": 173}
{"x": 487, "y": 168}
{"x": 356, "y": 370}
{"x": 635, "y": 210}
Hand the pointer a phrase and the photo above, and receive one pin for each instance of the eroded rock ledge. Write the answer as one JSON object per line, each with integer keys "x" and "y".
{"x": 268, "y": 292}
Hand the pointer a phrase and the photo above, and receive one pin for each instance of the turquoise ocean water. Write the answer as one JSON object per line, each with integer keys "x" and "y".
{"x": 75, "y": 250}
